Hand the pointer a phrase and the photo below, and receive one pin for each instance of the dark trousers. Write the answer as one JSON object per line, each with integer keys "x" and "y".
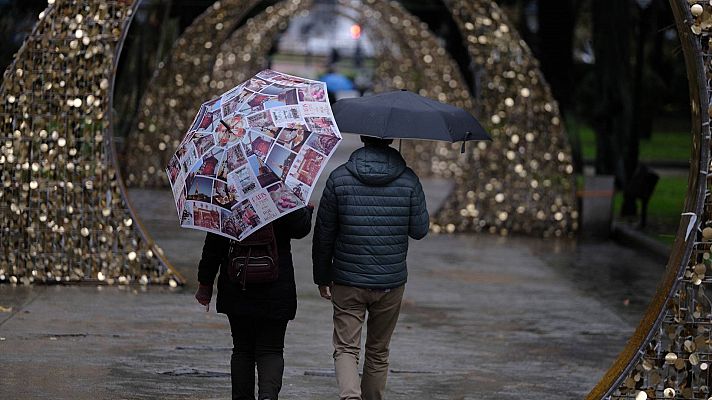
{"x": 257, "y": 341}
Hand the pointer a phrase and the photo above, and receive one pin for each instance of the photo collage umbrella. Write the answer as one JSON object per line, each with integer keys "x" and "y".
{"x": 253, "y": 154}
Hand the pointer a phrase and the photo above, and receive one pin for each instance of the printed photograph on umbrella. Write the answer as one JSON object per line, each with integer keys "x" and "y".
{"x": 253, "y": 154}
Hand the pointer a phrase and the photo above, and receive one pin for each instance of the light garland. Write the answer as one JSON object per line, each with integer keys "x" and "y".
{"x": 64, "y": 216}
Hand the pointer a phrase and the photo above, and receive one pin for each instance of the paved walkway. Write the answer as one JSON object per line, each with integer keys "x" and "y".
{"x": 484, "y": 318}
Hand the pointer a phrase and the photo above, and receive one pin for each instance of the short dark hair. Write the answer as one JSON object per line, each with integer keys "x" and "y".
{"x": 376, "y": 141}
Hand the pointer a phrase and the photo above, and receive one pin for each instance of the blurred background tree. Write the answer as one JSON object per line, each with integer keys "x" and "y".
{"x": 635, "y": 40}
{"x": 616, "y": 69}
{"x": 17, "y": 18}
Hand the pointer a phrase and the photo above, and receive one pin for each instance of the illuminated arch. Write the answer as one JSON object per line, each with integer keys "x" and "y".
{"x": 64, "y": 210}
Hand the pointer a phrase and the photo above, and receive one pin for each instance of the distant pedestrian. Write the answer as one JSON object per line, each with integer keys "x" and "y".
{"x": 370, "y": 206}
{"x": 258, "y": 312}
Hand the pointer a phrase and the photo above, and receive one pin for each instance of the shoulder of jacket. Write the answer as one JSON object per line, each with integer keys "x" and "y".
{"x": 340, "y": 172}
{"x": 410, "y": 175}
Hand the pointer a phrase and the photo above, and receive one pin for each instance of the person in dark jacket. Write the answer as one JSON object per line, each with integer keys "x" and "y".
{"x": 258, "y": 314}
{"x": 369, "y": 208}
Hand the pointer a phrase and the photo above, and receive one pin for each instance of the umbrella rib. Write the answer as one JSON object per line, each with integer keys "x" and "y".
{"x": 388, "y": 119}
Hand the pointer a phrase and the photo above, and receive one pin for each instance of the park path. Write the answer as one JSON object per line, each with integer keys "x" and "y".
{"x": 484, "y": 317}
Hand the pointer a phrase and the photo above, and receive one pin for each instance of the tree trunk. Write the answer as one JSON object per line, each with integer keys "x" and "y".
{"x": 643, "y": 93}
{"x": 556, "y": 33}
{"x": 638, "y": 116}
{"x": 612, "y": 114}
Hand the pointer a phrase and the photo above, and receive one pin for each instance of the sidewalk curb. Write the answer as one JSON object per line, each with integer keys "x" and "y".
{"x": 653, "y": 163}
{"x": 639, "y": 240}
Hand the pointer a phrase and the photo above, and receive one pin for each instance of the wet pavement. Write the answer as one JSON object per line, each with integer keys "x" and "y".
{"x": 484, "y": 317}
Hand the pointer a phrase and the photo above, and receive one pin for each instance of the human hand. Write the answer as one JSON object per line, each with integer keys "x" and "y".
{"x": 310, "y": 206}
{"x": 204, "y": 294}
{"x": 325, "y": 291}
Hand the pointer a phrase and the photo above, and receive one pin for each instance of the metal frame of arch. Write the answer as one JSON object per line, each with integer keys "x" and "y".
{"x": 669, "y": 353}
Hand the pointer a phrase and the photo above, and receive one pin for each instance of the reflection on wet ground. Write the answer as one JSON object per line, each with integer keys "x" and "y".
{"x": 623, "y": 279}
{"x": 483, "y": 318}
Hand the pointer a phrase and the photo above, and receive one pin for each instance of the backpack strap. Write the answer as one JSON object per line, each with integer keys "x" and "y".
{"x": 243, "y": 270}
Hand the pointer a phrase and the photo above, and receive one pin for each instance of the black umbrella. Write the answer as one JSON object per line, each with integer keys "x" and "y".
{"x": 405, "y": 115}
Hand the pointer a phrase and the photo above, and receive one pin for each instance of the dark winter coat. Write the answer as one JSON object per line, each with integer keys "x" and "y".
{"x": 370, "y": 206}
{"x": 275, "y": 300}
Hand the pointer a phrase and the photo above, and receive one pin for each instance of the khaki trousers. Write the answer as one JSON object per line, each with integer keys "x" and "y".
{"x": 350, "y": 306}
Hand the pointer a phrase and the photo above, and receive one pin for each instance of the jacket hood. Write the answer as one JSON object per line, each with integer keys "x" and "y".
{"x": 375, "y": 165}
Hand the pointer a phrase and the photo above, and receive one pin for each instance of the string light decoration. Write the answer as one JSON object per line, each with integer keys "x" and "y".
{"x": 64, "y": 214}
{"x": 669, "y": 355}
{"x": 523, "y": 180}
{"x": 426, "y": 68}
{"x": 391, "y": 48}
{"x": 246, "y": 51}
{"x": 179, "y": 85}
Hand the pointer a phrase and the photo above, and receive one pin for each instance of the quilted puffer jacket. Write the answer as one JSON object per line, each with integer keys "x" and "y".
{"x": 369, "y": 208}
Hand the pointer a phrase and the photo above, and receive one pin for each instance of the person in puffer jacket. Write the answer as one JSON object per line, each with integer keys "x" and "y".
{"x": 370, "y": 207}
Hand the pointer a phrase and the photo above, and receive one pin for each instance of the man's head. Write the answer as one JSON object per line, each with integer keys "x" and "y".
{"x": 374, "y": 141}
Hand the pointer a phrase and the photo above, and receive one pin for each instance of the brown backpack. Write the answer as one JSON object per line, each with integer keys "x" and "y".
{"x": 255, "y": 259}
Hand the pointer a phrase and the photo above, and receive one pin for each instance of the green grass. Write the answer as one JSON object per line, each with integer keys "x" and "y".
{"x": 669, "y": 197}
{"x": 662, "y": 146}
{"x": 666, "y": 146}
{"x": 671, "y": 142}
{"x": 664, "y": 208}
{"x": 588, "y": 141}
{"x": 667, "y": 201}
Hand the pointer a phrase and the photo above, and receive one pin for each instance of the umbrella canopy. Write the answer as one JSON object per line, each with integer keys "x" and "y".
{"x": 337, "y": 82}
{"x": 253, "y": 154}
{"x": 405, "y": 115}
